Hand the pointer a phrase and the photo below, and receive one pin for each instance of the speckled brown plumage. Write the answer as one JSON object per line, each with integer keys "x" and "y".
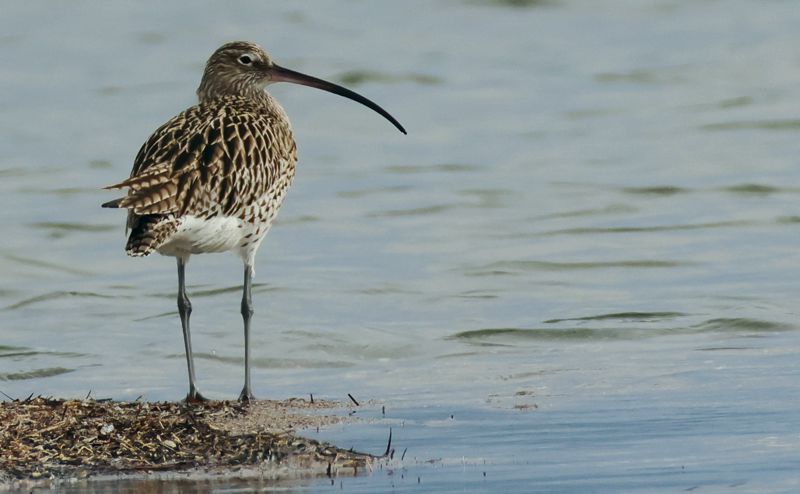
{"x": 213, "y": 177}
{"x": 228, "y": 156}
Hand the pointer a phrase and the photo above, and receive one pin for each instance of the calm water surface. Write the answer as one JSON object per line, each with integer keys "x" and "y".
{"x": 577, "y": 273}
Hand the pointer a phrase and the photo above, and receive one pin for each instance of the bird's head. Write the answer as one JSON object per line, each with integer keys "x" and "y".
{"x": 239, "y": 67}
{"x": 244, "y": 68}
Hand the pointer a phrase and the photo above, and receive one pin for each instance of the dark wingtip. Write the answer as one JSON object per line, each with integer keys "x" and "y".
{"x": 111, "y": 204}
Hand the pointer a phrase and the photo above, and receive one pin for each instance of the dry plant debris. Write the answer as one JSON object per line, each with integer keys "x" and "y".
{"x": 49, "y": 438}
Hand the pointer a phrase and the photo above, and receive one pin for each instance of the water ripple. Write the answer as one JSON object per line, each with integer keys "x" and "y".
{"x": 643, "y": 229}
{"x": 438, "y": 168}
{"x": 488, "y": 198}
{"x": 34, "y": 374}
{"x": 359, "y": 77}
{"x": 777, "y": 124}
{"x": 38, "y": 263}
{"x": 16, "y": 352}
{"x": 741, "y": 324}
{"x": 272, "y": 363}
{"x": 735, "y": 102}
{"x": 54, "y": 296}
{"x": 642, "y": 76}
{"x": 58, "y": 229}
{"x": 63, "y": 192}
{"x": 630, "y": 316}
{"x": 358, "y": 194}
{"x": 512, "y": 336}
{"x": 660, "y": 190}
{"x": 610, "y": 209}
{"x": 13, "y": 172}
{"x": 295, "y": 220}
{"x": 516, "y": 3}
{"x": 424, "y": 210}
{"x": 162, "y": 315}
{"x": 753, "y": 189}
{"x": 198, "y": 291}
{"x": 511, "y": 267}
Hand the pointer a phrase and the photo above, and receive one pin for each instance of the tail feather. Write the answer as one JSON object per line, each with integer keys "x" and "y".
{"x": 148, "y": 233}
{"x": 152, "y": 176}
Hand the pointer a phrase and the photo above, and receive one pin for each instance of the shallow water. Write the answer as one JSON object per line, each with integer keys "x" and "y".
{"x": 578, "y": 272}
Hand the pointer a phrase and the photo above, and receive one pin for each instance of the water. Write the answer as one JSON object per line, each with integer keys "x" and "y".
{"x": 578, "y": 272}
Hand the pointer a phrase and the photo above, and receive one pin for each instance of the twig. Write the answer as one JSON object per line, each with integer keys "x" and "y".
{"x": 354, "y": 400}
{"x": 389, "y": 445}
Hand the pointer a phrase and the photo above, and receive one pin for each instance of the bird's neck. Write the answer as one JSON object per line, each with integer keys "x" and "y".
{"x": 208, "y": 92}
{"x": 256, "y": 96}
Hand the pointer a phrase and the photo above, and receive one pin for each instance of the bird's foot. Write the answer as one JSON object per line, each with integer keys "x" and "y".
{"x": 246, "y": 396}
{"x": 194, "y": 396}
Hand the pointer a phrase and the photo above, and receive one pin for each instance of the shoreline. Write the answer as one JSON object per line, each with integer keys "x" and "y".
{"x": 53, "y": 441}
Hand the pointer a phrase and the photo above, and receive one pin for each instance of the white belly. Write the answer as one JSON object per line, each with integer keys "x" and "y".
{"x": 222, "y": 233}
{"x": 197, "y": 236}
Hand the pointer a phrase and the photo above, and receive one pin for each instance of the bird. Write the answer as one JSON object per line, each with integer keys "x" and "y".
{"x": 213, "y": 177}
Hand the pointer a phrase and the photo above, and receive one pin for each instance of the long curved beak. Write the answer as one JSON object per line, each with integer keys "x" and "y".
{"x": 282, "y": 74}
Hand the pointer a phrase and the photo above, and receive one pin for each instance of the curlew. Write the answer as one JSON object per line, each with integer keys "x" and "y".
{"x": 212, "y": 178}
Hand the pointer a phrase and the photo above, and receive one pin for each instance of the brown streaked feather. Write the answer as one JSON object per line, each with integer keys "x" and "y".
{"x": 200, "y": 159}
{"x": 148, "y": 233}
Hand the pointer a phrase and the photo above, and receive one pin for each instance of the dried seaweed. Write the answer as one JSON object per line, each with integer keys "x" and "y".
{"x": 48, "y": 438}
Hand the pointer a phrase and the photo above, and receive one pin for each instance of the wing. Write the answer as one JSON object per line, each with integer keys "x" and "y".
{"x": 208, "y": 160}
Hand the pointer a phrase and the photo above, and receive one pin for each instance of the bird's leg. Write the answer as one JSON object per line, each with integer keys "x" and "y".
{"x": 185, "y": 309}
{"x": 247, "y": 314}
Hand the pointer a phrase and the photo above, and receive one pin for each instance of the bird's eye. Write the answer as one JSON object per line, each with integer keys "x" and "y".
{"x": 245, "y": 60}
